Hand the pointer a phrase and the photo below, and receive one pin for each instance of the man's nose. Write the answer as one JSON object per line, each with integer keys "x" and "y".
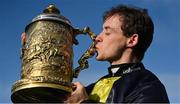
{"x": 98, "y": 38}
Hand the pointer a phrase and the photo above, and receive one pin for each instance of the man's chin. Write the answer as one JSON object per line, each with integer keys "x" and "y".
{"x": 99, "y": 58}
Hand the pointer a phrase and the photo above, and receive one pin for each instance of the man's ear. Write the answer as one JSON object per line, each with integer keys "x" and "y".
{"x": 133, "y": 40}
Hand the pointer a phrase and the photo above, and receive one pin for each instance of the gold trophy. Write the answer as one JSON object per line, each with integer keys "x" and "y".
{"x": 47, "y": 59}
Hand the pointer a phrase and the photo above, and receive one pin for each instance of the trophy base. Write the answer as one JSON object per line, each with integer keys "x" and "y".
{"x": 40, "y": 93}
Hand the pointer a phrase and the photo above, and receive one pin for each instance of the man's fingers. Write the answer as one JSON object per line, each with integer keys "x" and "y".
{"x": 23, "y": 38}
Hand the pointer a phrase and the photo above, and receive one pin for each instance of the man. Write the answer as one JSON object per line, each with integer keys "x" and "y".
{"x": 127, "y": 33}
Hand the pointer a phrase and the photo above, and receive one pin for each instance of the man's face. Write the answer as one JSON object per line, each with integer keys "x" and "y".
{"x": 111, "y": 42}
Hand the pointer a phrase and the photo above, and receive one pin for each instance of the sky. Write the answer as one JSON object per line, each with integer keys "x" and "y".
{"x": 162, "y": 58}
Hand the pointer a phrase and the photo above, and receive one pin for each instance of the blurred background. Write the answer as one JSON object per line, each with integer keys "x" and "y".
{"x": 162, "y": 58}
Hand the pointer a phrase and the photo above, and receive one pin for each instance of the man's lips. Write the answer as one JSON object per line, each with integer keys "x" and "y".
{"x": 96, "y": 48}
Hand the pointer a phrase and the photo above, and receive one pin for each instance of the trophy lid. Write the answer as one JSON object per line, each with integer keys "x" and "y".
{"x": 52, "y": 13}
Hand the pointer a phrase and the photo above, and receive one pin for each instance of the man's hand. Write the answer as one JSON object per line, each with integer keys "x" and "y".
{"x": 78, "y": 95}
{"x": 23, "y": 38}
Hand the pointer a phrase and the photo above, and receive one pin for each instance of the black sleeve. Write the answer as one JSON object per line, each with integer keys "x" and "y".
{"x": 89, "y": 88}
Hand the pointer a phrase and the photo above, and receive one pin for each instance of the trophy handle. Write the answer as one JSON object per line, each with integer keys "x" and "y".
{"x": 83, "y": 63}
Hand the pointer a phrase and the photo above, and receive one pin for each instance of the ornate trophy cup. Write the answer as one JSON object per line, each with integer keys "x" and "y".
{"x": 47, "y": 59}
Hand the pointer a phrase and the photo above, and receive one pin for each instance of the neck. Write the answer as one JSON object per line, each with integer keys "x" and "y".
{"x": 126, "y": 58}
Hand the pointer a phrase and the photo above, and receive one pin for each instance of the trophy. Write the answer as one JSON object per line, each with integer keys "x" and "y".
{"x": 47, "y": 59}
